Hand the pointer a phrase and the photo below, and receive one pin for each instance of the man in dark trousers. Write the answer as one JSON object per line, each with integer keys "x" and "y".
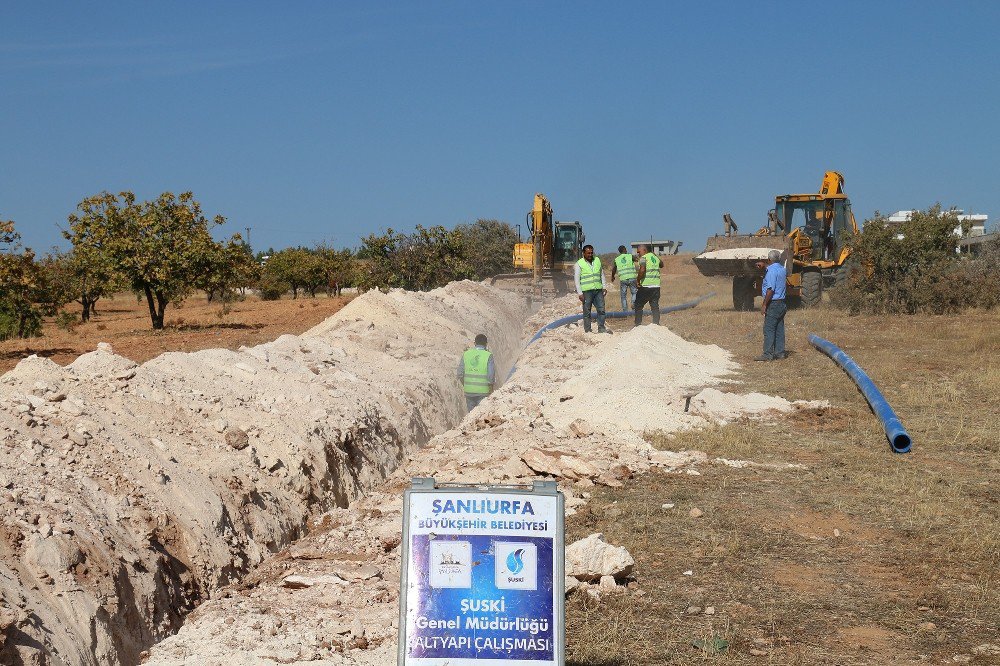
{"x": 774, "y": 308}
{"x": 591, "y": 287}
{"x": 624, "y": 268}
{"x": 649, "y": 285}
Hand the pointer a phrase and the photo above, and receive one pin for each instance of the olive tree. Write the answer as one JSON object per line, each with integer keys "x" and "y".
{"x": 162, "y": 248}
{"x": 20, "y": 285}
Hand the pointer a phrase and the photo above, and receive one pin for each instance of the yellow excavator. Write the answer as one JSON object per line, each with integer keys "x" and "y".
{"x": 549, "y": 254}
{"x": 808, "y": 228}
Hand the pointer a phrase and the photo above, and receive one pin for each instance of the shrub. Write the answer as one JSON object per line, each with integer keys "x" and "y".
{"x": 66, "y": 321}
{"x": 25, "y": 323}
{"x": 915, "y": 267}
{"x": 270, "y": 287}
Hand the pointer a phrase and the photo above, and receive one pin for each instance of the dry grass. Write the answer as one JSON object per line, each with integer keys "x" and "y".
{"x": 919, "y": 535}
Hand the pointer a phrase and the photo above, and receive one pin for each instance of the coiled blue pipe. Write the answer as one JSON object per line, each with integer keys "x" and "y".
{"x": 899, "y": 439}
{"x": 563, "y": 321}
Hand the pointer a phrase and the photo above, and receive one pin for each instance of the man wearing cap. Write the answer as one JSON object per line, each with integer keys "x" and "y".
{"x": 477, "y": 373}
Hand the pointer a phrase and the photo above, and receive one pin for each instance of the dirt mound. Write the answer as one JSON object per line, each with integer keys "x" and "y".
{"x": 574, "y": 410}
{"x": 141, "y": 489}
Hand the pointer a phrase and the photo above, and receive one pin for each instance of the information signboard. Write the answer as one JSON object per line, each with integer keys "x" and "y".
{"x": 483, "y": 579}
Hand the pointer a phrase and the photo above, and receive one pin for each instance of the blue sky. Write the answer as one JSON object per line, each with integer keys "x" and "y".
{"x": 326, "y": 121}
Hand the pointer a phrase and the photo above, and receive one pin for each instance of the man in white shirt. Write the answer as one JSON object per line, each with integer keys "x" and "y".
{"x": 591, "y": 287}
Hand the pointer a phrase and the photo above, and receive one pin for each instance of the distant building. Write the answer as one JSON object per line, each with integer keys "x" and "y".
{"x": 977, "y": 222}
{"x": 974, "y": 245}
{"x": 659, "y": 246}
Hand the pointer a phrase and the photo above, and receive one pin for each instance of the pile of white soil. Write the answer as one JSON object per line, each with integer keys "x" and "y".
{"x": 574, "y": 410}
{"x": 130, "y": 493}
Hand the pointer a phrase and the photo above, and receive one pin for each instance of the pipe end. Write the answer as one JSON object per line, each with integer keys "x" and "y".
{"x": 900, "y": 443}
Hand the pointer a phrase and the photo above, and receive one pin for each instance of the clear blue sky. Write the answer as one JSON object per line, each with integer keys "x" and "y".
{"x": 327, "y": 121}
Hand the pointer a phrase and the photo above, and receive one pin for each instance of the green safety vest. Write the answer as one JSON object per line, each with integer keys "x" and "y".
{"x": 476, "y": 380}
{"x": 652, "y": 278}
{"x": 626, "y": 267}
{"x": 590, "y": 274}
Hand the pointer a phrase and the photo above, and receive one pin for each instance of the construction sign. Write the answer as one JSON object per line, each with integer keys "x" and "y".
{"x": 483, "y": 577}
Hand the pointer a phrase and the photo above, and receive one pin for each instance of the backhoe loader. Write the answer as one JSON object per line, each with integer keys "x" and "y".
{"x": 809, "y": 230}
{"x": 549, "y": 254}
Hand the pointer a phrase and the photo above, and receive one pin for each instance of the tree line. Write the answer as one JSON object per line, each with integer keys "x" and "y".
{"x": 163, "y": 250}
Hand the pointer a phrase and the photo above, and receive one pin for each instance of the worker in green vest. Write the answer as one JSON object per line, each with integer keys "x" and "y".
{"x": 624, "y": 268}
{"x": 590, "y": 287}
{"x": 649, "y": 285}
{"x": 477, "y": 373}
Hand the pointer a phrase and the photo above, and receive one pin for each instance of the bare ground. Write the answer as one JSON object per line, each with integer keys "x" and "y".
{"x": 194, "y": 324}
{"x": 860, "y": 557}
{"x": 863, "y": 557}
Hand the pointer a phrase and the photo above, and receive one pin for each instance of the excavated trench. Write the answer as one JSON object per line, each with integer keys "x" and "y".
{"x": 130, "y": 493}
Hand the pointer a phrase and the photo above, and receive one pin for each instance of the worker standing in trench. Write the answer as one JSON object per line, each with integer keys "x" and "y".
{"x": 477, "y": 372}
{"x": 590, "y": 287}
{"x": 649, "y": 285}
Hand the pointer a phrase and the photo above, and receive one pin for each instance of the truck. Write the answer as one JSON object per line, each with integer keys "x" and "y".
{"x": 811, "y": 232}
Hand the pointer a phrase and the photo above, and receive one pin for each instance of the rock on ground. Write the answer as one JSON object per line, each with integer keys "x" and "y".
{"x": 593, "y": 558}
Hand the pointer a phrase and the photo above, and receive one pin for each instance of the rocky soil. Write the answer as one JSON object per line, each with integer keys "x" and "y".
{"x": 131, "y": 493}
{"x": 575, "y": 410}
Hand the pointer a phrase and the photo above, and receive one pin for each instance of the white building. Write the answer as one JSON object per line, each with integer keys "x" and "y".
{"x": 658, "y": 246}
{"x": 977, "y": 221}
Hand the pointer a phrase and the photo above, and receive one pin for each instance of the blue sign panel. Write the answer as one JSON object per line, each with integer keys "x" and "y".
{"x": 483, "y": 577}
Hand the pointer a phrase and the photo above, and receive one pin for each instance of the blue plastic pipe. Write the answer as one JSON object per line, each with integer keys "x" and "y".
{"x": 899, "y": 439}
{"x": 616, "y": 315}
{"x": 564, "y": 321}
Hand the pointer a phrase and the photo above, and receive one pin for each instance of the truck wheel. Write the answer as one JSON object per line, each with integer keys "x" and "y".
{"x": 846, "y": 272}
{"x": 741, "y": 286}
{"x": 812, "y": 288}
{"x": 749, "y": 294}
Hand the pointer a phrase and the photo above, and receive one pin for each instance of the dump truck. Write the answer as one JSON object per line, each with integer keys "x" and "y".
{"x": 808, "y": 229}
{"x": 546, "y": 260}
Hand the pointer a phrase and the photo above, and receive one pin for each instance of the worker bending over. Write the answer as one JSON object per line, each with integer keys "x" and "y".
{"x": 477, "y": 373}
{"x": 590, "y": 287}
{"x": 649, "y": 285}
{"x": 624, "y": 267}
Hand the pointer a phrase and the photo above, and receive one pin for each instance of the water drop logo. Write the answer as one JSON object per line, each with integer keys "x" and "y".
{"x": 515, "y": 561}
{"x": 516, "y": 566}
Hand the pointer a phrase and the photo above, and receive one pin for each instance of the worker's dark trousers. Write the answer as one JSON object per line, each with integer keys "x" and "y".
{"x": 649, "y": 295}
{"x": 774, "y": 329}
{"x": 472, "y": 401}
{"x": 593, "y": 298}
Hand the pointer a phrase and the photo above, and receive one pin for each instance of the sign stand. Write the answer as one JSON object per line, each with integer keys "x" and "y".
{"x": 482, "y": 575}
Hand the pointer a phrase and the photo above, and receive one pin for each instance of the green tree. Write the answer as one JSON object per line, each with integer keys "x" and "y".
{"x": 488, "y": 247}
{"x": 230, "y": 268}
{"x": 430, "y": 257}
{"x": 914, "y": 267}
{"x": 338, "y": 268}
{"x": 161, "y": 247}
{"x": 288, "y": 267}
{"x": 21, "y": 284}
{"x": 80, "y": 276}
